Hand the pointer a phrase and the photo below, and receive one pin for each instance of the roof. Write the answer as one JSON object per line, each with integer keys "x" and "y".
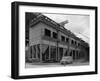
{"x": 48, "y": 21}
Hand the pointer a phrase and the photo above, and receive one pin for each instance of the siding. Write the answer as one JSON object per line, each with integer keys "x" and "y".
{"x": 35, "y": 34}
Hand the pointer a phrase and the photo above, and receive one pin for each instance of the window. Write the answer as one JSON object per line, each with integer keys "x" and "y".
{"x": 72, "y": 41}
{"x": 62, "y": 38}
{"x": 54, "y": 35}
{"x": 47, "y": 33}
{"x": 67, "y": 39}
{"x": 78, "y": 44}
{"x": 75, "y": 42}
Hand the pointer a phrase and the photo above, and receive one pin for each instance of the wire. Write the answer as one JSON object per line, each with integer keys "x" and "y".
{"x": 84, "y": 35}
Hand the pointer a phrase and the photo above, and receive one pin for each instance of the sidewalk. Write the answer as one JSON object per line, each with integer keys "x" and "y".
{"x": 57, "y": 64}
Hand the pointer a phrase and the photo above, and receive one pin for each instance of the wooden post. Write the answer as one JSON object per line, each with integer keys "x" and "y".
{"x": 56, "y": 54}
{"x": 32, "y": 51}
{"x": 40, "y": 53}
{"x": 49, "y": 52}
{"x": 36, "y": 53}
{"x": 72, "y": 54}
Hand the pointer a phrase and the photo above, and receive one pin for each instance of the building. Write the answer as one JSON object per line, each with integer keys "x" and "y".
{"x": 49, "y": 42}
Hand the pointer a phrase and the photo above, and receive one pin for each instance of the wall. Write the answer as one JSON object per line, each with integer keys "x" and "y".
{"x": 44, "y": 26}
{"x": 5, "y": 41}
{"x": 35, "y": 34}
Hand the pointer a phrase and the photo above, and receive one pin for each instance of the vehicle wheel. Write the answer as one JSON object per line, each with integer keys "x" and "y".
{"x": 62, "y": 63}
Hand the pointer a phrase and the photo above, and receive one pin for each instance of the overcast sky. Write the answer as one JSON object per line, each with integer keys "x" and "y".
{"x": 78, "y": 24}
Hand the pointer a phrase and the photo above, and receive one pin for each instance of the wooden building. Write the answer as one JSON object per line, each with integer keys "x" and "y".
{"x": 49, "y": 42}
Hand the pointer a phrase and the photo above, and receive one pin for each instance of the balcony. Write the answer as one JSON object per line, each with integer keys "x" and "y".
{"x": 49, "y": 38}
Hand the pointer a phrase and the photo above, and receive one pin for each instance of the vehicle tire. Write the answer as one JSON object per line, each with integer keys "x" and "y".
{"x": 62, "y": 63}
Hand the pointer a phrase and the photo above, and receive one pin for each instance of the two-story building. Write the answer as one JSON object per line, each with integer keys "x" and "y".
{"x": 49, "y": 42}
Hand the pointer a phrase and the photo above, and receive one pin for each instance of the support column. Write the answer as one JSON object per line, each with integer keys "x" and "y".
{"x": 63, "y": 53}
{"x": 69, "y": 52}
{"x": 36, "y": 52}
{"x": 78, "y": 54}
{"x": 75, "y": 55}
{"x": 29, "y": 51}
{"x": 49, "y": 52}
{"x": 72, "y": 54}
{"x": 40, "y": 53}
{"x": 56, "y": 53}
{"x": 32, "y": 54}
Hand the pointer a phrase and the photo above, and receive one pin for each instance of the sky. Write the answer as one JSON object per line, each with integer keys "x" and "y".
{"x": 78, "y": 24}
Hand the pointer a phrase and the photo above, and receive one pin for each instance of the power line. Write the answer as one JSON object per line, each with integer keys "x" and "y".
{"x": 84, "y": 35}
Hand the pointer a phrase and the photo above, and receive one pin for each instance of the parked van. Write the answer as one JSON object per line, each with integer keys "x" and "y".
{"x": 66, "y": 60}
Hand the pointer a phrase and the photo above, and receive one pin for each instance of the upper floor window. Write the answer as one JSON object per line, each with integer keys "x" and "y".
{"x": 78, "y": 44}
{"x": 75, "y": 42}
{"x": 67, "y": 39}
{"x": 72, "y": 42}
{"x": 62, "y": 38}
{"x": 54, "y": 35}
{"x": 47, "y": 33}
